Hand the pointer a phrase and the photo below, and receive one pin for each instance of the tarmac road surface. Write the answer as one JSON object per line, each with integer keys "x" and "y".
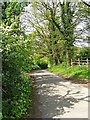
{"x": 54, "y": 97}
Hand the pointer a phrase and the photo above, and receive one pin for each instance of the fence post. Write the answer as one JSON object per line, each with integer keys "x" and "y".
{"x": 78, "y": 61}
{"x": 71, "y": 62}
{"x": 87, "y": 62}
{"x": 81, "y": 61}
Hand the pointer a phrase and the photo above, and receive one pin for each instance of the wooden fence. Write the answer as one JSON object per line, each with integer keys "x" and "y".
{"x": 80, "y": 62}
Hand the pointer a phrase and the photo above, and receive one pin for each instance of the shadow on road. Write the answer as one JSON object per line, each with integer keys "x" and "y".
{"x": 53, "y": 96}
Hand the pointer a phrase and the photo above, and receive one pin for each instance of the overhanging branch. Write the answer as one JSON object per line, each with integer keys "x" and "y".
{"x": 86, "y": 3}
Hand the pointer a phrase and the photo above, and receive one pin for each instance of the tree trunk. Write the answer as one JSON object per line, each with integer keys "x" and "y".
{"x": 51, "y": 56}
{"x": 68, "y": 57}
{"x": 56, "y": 60}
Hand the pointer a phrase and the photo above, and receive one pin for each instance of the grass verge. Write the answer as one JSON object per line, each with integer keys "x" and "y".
{"x": 76, "y": 72}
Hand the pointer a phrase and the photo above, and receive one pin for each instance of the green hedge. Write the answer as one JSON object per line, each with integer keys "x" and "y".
{"x": 16, "y": 96}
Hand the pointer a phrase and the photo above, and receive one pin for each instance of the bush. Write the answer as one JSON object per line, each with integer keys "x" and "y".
{"x": 16, "y": 84}
{"x": 17, "y": 49}
{"x": 16, "y": 96}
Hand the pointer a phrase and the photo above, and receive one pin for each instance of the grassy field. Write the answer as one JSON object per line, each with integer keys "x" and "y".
{"x": 78, "y": 72}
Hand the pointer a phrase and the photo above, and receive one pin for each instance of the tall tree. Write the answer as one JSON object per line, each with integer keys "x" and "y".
{"x": 46, "y": 30}
{"x": 65, "y": 25}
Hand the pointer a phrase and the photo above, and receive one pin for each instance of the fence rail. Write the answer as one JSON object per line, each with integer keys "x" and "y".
{"x": 80, "y": 62}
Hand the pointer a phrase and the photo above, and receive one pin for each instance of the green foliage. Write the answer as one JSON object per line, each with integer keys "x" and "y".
{"x": 16, "y": 85}
{"x": 17, "y": 59}
{"x": 84, "y": 53}
{"x": 57, "y": 32}
{"x": 16, "y": 96}
{"x": 72, "y": 71}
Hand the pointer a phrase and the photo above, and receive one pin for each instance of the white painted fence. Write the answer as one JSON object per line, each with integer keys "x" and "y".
{"x": 80, "y": 62}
